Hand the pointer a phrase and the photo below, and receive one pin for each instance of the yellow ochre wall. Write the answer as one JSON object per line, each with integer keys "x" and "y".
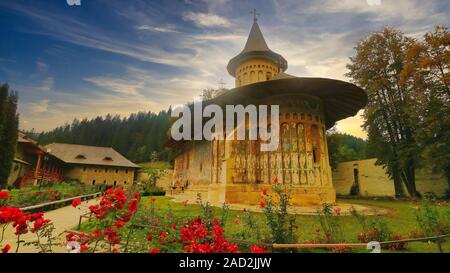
{"x": 373, "y": 180}
{"x": 101, "y": 174}
{"x": 255, "y": 70}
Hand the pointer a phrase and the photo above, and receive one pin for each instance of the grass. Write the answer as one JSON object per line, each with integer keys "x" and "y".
{"x": 401, "y": 220}
{"x": 159, "y": 165}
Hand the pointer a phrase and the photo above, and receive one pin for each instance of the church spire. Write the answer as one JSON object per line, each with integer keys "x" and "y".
{"x": 256, "y": 62}
{"x": 255, "y": 41}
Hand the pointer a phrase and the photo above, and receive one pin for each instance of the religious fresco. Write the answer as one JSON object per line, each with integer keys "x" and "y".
{"x": 300, "y": 159}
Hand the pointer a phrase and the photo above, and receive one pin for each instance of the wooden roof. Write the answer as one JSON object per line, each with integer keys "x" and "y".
{"x": 89, "y": 155}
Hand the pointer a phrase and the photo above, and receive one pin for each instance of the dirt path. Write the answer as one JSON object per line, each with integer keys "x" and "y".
{"x": 63, "y": 219}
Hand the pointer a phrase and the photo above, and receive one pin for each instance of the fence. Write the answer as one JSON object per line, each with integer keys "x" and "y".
{"x": 438, "y": 240}
{"x": 58, "y": 202}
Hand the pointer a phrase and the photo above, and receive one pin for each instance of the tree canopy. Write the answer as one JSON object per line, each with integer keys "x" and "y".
{"x": 141, "y": 137}
{"x": 344, "y": 147}
{"x": 9, "y": 123}
{"x": 407, "y": 115}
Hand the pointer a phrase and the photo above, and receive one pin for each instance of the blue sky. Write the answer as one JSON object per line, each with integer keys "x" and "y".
{"x": 120, "y": 57}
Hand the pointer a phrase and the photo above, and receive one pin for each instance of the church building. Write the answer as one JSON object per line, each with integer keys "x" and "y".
{"x": 235, "y": 171}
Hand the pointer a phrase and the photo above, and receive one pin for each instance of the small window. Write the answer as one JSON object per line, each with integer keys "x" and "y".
{"x": 80, "y": 156}
{"x": 117, "y": 170}
{"x": 125, "y": 182}
{"x": 201, "y": 167}
{"x": 108, "y": 158}
{"x": 126, "y": 170}
{"x": 84, "y": 169}
{"x": 93, "y": 182}
{"x": 268, "y": 76}
{"x": 115, "y": 183}
{"x": 104, "y": 181}
{"x": 95, "y": 170}
{"x": 106, "y": 170}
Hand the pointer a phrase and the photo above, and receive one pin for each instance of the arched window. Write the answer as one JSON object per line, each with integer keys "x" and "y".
{"x": 260, "y": 75}
{"x": 93, "y": 182}
{"x": 252, "y": 76}
{"x": 115, "y": 183}
{"x": 268, "y": 76}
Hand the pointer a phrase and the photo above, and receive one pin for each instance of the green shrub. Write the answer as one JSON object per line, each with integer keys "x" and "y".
{"x": 331, "y": 224}
{"x": 431, "y": 220}
{"x": 153, "y": 191}
{"x": 281, "y": 224}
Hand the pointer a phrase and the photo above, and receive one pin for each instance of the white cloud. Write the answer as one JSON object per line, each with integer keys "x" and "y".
{"x": 39, "y": 107}
{"x": 206, "y": 19}
{"x": 47, "y": 84}
{"x": 41, "y": 66}
{"x": 169, "y": 29}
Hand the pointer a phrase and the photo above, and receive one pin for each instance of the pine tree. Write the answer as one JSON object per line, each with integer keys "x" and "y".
{"x": 135, "y": 136}
{"x": 9, "y": 125}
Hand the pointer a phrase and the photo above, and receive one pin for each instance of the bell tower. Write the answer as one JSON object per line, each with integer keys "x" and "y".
{"x": 256, "y": 62}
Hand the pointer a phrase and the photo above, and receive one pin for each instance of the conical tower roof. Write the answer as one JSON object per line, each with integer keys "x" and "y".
{"x": 256, "y": 47}
{"x": 255, "y": 41}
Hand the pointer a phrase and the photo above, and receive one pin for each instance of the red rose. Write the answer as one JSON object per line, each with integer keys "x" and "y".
{"x": 275, "y": 180}
{"x": 83, "y": 248}
{"x": 257, "y": 249}
{"x": 4, "y": 195}
{"x": 6, "y": 249}
{"x": 153, "y": 199}
{"x": 149, "y": 237}
{"x": 262, "y": 204}
{"x": 154, "y": 250}
{"x": 264, "y": 191}
{"x": 76, "y": 202}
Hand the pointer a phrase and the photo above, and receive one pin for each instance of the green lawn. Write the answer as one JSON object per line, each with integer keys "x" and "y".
{"x": 401, "y": 220}
{"x": 159, "y": 165}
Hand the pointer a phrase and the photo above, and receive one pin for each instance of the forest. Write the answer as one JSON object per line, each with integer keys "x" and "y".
{"x": 140, "y": 137}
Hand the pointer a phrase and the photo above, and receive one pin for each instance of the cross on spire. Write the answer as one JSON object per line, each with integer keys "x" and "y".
{"x": 255, "y": 14}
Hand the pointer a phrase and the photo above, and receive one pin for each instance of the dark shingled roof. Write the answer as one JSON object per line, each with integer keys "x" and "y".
{"x": 340, "y": 99}
{"x": 256, "y": 47}
{"x": 89, "y": 155}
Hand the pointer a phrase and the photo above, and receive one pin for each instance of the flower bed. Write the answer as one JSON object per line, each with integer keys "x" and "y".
{"x": 33, "y": 195}
{"x": 123, "y": 221}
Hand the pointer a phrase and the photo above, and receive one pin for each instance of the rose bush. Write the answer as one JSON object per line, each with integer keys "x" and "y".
{"x": 23, "y": 223}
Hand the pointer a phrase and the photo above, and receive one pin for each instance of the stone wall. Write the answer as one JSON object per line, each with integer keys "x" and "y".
{"x": 100, "y": 175}
{"x": 373, "y": 180}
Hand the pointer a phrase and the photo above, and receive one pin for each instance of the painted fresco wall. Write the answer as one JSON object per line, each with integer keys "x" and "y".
{"x": 194, "y": 165}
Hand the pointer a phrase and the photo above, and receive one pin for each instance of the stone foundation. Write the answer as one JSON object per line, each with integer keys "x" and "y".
{"x": 300, "y": 196}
